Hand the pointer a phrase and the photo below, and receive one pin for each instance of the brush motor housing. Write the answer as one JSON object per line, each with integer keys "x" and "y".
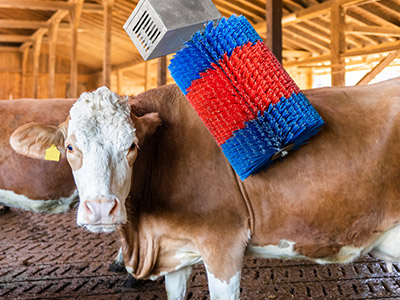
{"x": 161, "y": 27}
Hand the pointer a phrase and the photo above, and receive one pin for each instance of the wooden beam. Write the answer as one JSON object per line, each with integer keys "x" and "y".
{"x": 146, "y": 75}
{"x": 309, "y": 13}
{"x": 25, "y": 56}
{"x": 373, "y": 30}
{"x": 52, "y": 57}
{"x": 338, "y": 45}
{"x": 22, "y": 24}
{"x": 274, "y": 27}
{"x": 120, "y": 79}
{"x": 59, "y": 15}
{"x": 35, "y": 4}
{"x": 15, "y": 38}
{"x": 295, "y": 53}
{"x": 8, "y": 49}
{"x": 162, "y": 71}
{"x": 108, "y": 6}
{"x": 75, "y": 15}
{"x": 36, "y": 64}
{"x": 49, "y": 5}
{"x": 386, "y": 47}
{"x": 379, "y": 68}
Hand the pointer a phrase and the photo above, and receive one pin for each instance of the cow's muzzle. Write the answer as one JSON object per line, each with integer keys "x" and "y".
{"x": 102, "y": 211}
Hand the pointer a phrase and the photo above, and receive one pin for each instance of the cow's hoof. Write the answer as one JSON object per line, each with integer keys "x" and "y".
{"x": 117, "y": 267}
{"x": 132, "y": 282}
{"x": 4, "y": 209}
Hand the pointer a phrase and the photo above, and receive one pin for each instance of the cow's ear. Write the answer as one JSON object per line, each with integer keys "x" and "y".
{"x": 33, "y": 139}
{"x": 146, "y": 125}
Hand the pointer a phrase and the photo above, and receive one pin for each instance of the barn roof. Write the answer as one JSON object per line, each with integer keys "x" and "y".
{"x": 371, "y": 26}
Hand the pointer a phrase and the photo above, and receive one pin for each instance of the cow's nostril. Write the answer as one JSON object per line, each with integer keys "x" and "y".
{"x": 87, "y": 208}
{"x": 114, "y": 208}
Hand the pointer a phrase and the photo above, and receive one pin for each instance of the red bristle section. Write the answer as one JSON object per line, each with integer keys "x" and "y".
{"x": 218, "y": 104}
{"x": 239, "y": 88}
{"x": 262, "y": 77}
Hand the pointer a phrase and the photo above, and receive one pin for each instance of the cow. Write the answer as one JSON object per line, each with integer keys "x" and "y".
{"x": 31, "y": 184}
{"x": 334, "y": 199}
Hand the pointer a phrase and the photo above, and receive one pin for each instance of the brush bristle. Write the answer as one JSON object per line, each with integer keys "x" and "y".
{"x": 243, "y": 95}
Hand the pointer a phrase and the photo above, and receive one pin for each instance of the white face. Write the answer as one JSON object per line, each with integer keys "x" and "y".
{"x": 101, "y": 149}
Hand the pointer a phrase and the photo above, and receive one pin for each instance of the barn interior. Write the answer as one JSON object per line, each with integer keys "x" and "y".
{"x": 61, "y": 48}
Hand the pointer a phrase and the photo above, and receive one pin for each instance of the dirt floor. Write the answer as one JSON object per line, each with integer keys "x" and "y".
{"x": 49, "y": 257}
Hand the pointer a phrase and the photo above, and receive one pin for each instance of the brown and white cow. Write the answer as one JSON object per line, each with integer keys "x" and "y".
{"x": 330, "y": 201}
{"x": 37, "y": 185}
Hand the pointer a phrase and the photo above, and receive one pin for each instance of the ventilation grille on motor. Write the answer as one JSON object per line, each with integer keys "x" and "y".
{"x": 146, "y": 31}
{"x": 161, "y": 27}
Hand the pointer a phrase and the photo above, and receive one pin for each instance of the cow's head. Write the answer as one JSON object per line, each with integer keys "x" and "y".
{"x": 100, "y": 139}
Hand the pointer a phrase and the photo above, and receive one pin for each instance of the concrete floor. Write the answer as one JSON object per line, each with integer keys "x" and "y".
{"x": 50, "y": 257}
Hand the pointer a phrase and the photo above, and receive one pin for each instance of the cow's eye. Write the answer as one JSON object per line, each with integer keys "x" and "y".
{"x": 70, "y": 149}
{"x": 132, "y": 147}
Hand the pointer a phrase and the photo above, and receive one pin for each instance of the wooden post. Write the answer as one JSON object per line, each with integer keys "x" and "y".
{"x": 36, "y": 64}
{"x": 309, "y": 78}
{"x": 338, "y": 44}
{"x": 108, "y": 5}
{"x": 75, "y": 14}
{"x": 120, "y": 78}
{"x": 146, "y": 75}
{"x": 274, "y": 27}
{"x": 162, "y": 71}
{"x": 25, "y": 56}
{"x": 53, "y": 30}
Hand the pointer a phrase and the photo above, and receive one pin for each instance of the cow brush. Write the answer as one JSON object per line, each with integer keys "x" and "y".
{"x": 245, "y": 98}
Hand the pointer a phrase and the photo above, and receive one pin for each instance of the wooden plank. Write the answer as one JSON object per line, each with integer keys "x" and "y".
{"x": 22, "y": 24}
{"x": 52, "y": 57}
{"x": 75, "y": 15}
{"x": 337, "y": 45}
{"x": 59, "y": 15}
{"x": 25, "y": 56}
{"x": 274, "y": 27}
{"x": 378, "y": 68}
{"x": 15, "y": 38}
{"x": 35, "y": 4}
{"x": 317, "y": 10}
{"x": 120, "y": 80}
{"x": 238, "y": 7}
{"x": 108, "y": 7}
{"x": 8, "y": 49}
{"x": 36, "y": 55}
{"x": 386, "y": 47}
{"x": 162, "y": 71}
{"x": 49, "y": 5}
{"x": 373, "y": 30}
{"x": 302, "y": 34}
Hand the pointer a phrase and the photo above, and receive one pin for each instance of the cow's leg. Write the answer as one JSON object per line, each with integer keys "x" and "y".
{"x": 224, "y": 269}
{"x": 222, "y": 289}
{"x": 176, "y": 282}
{"x": 118, "y": 265}
{"x": 4, "y": 209}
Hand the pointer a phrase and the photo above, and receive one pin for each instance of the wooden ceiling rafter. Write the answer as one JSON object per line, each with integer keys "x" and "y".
{"x": 304, "y": 35}
{"x": 379, "y": 67}
{"x": 22, "y": 24}
{"x": 237, "y": 5}
{"x": 306, "y": 25}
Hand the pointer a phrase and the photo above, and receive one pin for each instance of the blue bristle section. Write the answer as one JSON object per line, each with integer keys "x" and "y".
{"x": 208, "y": 47}
{"x": 289, "y": 121}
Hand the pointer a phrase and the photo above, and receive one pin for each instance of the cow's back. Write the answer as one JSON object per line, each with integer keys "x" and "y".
{"x": 33, "y": 178}
{"x": 343, "y": 188}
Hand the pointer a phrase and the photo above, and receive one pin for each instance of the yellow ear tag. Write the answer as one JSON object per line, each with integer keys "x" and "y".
{"x": 52, "y": 153}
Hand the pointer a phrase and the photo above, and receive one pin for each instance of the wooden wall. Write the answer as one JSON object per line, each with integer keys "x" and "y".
{"x": 11, "y": 77}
